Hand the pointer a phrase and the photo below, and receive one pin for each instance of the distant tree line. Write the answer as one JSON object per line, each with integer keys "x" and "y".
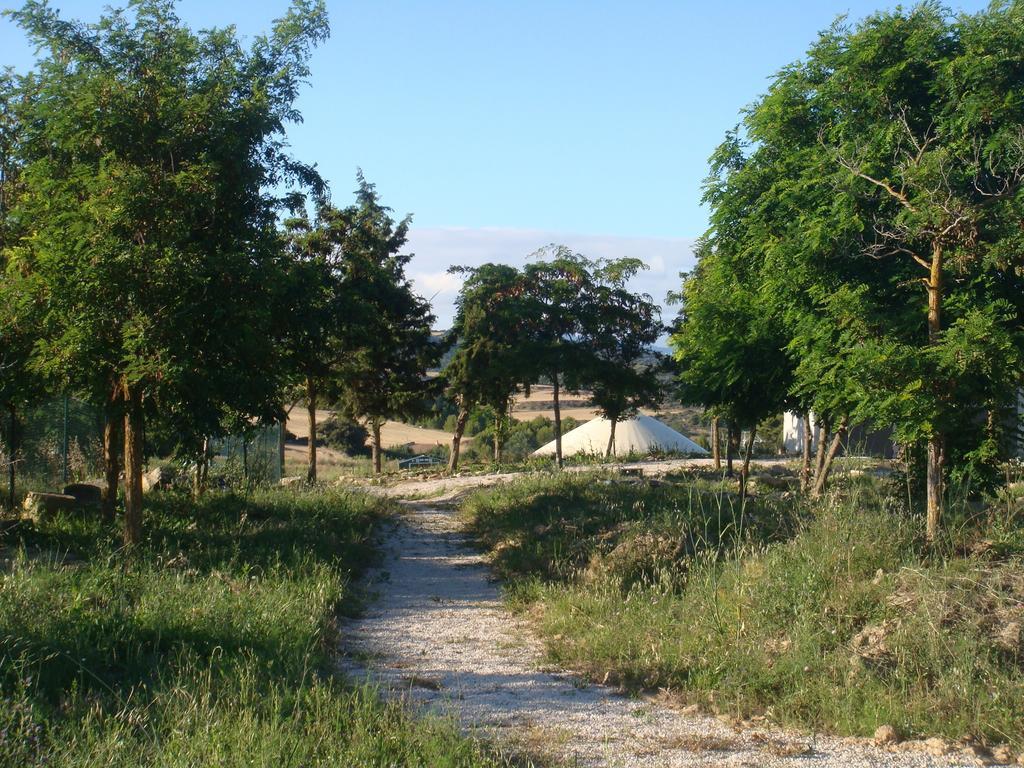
{"x": 865, "y": 257}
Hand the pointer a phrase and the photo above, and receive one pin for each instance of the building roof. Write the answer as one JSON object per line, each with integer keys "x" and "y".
{"x": 639, "y": 435}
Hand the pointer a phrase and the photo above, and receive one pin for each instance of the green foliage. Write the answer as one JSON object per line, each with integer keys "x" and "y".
{"x": 210, "y": 645}
{"x": 862, "y": 221}
{"x": 489, "y": 359}
{"x": 148, "y": 157}
{"x": 344, "y": 435}
{"x": 620, "y": 327}
{"x": 519, "y": 438}
{"x": 728, "y": 348}
{"x": 382, "y": 373}
{"x": 564, "y": 319}
{"x": 828, "y": 617}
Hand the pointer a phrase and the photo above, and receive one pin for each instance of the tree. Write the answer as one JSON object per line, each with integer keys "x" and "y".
{"x": 875, "y": 214}
{"x": 319, "y": 302}
{"x": 939, "y": 150}
{"x": 383, "y": 373}
{"x": 916, "y": 136}
{"x": 344, "y": 435}
{"x": 17, "y": 383}
{"x": 488, "y": 335}
{"x": 729, "y": 349}
{"x": 619, "y": 328}
{"x": 555, "y": 285}
{"x": 147, "y": 167}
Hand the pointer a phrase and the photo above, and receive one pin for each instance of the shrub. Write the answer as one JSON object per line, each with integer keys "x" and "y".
{"x": 345, "y": 435}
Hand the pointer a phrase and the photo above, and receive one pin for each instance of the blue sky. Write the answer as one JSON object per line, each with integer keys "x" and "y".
{"x": 507, "y": 125}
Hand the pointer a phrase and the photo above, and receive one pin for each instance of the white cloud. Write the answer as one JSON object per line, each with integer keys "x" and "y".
{"x": 436, "y": 249}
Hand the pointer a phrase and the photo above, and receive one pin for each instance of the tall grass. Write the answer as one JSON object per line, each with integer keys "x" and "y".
{"x": 210, "y": 645}
{"x": 833, "y": 616}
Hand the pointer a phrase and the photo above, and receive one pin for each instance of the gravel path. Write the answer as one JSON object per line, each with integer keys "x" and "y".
{"x": 438, "y": 633}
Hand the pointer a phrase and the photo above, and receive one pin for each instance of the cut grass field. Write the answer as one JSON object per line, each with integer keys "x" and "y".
{"x": 392, "y": 433}
{"x": 210, "y": 645}
{"x": 832, "y": 616}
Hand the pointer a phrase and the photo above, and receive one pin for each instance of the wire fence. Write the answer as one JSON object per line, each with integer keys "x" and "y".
{"x": 61, "y": 442}
{"x": 56, "y": 443}
{"x": 257, "y": 456}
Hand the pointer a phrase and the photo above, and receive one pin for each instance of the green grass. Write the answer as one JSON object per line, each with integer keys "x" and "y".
{"x": 210, "y": 645}
{"x": 830, "y": 617}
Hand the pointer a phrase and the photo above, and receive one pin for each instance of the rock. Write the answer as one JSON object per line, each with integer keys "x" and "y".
{"x": 976, "y": 754}
{"x": 885, "y": 734}
{"x": 39, "y": 506}
{"x": 936, "y": 747}
{"x": 1009, "y": 638}
{"x": 691, "y": 710}
{"x": 156, "y": 478}
{"x": 870, "y": 642}
{"x": 1002, "y": 754}
{"x": 86, "y": 494}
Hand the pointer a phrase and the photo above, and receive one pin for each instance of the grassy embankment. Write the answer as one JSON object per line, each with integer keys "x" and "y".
{"x": 834, "y": 616}
{"x": 211, "y": 645}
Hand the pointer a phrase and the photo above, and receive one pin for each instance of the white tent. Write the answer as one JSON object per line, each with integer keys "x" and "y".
{"x": 639, "y": 435}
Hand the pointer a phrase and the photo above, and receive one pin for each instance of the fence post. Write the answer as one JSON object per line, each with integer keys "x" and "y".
{"x": 65, "y": 468}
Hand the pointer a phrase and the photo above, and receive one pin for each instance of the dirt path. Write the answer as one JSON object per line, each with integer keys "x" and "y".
{"x": 438, "y": 633}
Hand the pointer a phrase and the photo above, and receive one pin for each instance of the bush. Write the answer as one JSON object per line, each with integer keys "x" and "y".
{"x": 345, "y": 435}
{"x": 521, "y": 438}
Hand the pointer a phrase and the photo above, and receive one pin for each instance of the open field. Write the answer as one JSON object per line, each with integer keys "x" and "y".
{"x": 393, "y": 433}
{"x": 539, "y": 403}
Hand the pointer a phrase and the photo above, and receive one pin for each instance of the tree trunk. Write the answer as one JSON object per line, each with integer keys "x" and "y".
{"x": 113, "y": 440}
{"x": 460, "y": 427}
{"x": 732, "y": 445}
{"x": 311, "y": 410}
{"x": 826, "y": 466}
{"x": 12, "y": 449}
{"x": 936, "y": 485}
{"x": 937, "y": 442}
{"x": 824, "y": 437}
{"x": 497, "y": 438}
{"x": 805, "y": 469}
{"x": 133, "y": 450}
{"x": 745, "y": 471}
{"x": 199, "y": 482}
{"x": 716, "y": 448}
{"x": 558, "y": 422}
{"x": 375, "y": 432}
{"x": 281, "y": 437}
{"x": 610, "y": 451}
